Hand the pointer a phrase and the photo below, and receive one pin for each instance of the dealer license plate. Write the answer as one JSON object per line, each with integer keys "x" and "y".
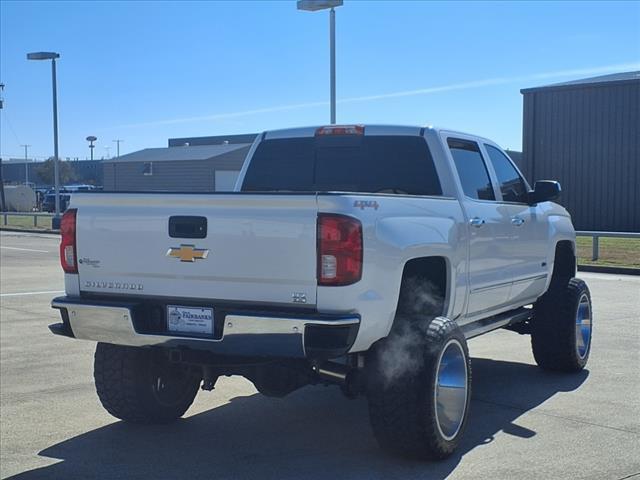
{"x": 189, "y": 319}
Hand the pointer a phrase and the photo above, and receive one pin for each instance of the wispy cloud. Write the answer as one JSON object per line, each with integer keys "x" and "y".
{"x": 521, "y": 79}
{"x": 497, "y": 81}
{"x": 228, "y": 115}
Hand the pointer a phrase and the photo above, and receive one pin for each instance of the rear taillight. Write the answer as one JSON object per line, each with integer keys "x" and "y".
{"x": 68, "y": 257}
{"x": 339, "y": 250}
{"x": 340, "y": 130}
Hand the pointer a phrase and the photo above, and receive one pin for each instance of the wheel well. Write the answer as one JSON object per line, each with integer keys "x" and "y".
{"x": 424, "y": 286}
{"x": 564, "y": 263}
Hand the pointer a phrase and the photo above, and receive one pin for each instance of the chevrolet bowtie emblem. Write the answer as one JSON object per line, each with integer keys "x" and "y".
{"x": 187, "y": 253}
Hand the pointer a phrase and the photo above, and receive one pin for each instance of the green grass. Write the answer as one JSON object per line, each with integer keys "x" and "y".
{"x": 44, "y": 221}
{"x": 619, "y": 252}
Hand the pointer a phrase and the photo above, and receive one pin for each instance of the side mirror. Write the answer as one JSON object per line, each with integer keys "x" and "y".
{"x": 544, "y": 191}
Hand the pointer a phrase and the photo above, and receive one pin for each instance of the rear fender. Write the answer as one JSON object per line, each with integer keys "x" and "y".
{"x": 396, "y": 229}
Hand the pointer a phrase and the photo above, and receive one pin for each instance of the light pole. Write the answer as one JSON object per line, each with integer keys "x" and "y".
{"x": 56, "y": 171}
{"x": 2, "y": 203}
{"x": 315, "y": 5}
{"x": 26, "y": 165}
{"x": 118, "y": 142}
{"x": 91, "y": 139}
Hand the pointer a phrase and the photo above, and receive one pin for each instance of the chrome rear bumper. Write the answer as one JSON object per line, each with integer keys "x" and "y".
{"x": 242, "y": 334}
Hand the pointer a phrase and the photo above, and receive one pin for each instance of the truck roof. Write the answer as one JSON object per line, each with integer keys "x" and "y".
{"x": 369, "y": 129}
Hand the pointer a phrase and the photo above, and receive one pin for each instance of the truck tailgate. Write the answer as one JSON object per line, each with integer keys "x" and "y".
{"x": 258, "y": 248}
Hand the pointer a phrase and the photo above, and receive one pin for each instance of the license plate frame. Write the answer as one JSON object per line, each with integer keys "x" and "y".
{"x": 190, "y": 320}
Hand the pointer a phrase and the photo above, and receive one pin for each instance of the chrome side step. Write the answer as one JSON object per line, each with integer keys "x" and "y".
{"x": 505, "y": 319}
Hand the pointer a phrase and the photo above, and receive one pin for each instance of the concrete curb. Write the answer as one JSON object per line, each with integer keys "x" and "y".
{"x": 29, "y": 230}
{"x": 609, "y": 269}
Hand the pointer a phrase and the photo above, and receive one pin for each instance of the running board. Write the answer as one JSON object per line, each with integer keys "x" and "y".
{"x": 485, "y": 325}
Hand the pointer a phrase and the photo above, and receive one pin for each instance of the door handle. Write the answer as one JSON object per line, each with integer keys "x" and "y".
{"x": 476, "y": 222}
{"x": 517, "y": 221}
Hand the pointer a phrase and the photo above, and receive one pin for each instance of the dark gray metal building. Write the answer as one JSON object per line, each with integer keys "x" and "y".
{"x": 586, "y": 134}
{"x": 189, "y": 168}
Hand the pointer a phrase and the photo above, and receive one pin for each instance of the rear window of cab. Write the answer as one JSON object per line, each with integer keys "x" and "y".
{"x": 345, "y": 163}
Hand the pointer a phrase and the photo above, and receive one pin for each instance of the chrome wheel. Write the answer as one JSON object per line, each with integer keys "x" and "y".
{"x": 583, "y": 326}
{"x": 451, "y": 389}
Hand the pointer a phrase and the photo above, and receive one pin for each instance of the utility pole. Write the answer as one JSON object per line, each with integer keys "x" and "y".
{"x": 26, "y": 165}
{"x": 107, "y": 150}
{"x": 2, "y": 201}
{"x": 117, "y": 142}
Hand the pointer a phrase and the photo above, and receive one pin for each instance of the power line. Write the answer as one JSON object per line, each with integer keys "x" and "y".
{"x": 6, "y": 117}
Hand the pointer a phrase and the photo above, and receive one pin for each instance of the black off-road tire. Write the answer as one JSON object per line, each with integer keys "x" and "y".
{"x": 137, "y": 386}
{"x": 555, "y": 340}
{"x": 402, "y": 409}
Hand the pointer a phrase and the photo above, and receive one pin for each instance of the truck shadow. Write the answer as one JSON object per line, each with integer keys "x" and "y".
{"x": 313, "y": 433}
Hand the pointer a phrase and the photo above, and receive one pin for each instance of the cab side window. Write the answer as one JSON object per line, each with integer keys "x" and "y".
{"x": 471, "y": 169}
{"x": 512, "y": 185}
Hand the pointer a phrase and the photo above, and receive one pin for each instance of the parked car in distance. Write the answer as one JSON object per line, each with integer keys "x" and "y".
{"x": 49, "y": 202}
{"x": 79, "y": 188}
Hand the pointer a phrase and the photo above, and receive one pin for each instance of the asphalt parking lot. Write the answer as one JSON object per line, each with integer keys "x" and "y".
{"x": 524, "y": 423}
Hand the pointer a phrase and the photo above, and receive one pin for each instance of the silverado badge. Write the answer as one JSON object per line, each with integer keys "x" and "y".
{"x": 187, "y": 253}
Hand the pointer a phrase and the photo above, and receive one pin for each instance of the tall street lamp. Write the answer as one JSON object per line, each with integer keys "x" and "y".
{"x": 3, "y": 205}
{"x": 313, "y": 6}
{"x": 56, "y": 173}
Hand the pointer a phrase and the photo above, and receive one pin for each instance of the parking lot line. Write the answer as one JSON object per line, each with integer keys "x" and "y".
{"x": 25, "y": 249}
{"x": 20, "y": 294}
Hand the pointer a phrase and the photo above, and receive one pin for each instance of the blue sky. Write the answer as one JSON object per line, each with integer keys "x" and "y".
{"x": 147, "y": 71}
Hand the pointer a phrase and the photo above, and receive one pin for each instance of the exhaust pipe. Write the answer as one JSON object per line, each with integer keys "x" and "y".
{"x": 333, "y": 372}
{"x": 348, "y": 378}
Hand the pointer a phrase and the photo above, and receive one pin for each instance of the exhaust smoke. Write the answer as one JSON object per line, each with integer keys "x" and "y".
{"x": 402, "y": 353}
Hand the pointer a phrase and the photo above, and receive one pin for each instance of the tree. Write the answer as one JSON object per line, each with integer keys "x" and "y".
{"x": 45, "y": 172}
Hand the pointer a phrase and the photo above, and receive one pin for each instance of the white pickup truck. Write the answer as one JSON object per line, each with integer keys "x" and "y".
{"x": 362, "y": 256}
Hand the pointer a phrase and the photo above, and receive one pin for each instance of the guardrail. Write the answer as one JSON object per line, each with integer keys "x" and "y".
{"x": 35, "y": 215}
{"x": 595, "y": 252}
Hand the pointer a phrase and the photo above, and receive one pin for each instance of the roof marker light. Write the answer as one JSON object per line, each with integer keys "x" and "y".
{"x": 340, "y": 130}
